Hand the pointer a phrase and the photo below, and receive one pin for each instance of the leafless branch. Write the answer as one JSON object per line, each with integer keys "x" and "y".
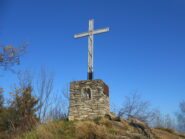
{"x": 133, "y": 106}
{"x": 45, "y": 88}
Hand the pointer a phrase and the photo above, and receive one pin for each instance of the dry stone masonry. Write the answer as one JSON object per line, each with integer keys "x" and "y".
{"x": 88, "y": 99}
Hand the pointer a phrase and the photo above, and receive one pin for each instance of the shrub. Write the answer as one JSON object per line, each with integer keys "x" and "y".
{"x": 25, "y": 107}
{"x": 20, "y": 115}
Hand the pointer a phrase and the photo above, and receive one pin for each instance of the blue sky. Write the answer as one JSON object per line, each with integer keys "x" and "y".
{"x": 144, "y": 50}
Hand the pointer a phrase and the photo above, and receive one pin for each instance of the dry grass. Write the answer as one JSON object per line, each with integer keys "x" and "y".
{"x": 167, "y": 130}
{"x": 88, "y": 130}
{"x": 52, "y": 130}
{"x": 100, "y": 128}
{"x": 163, "y": 133}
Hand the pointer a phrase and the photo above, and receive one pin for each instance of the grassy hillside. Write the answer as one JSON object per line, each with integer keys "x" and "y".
{"x": 100, "y": 128}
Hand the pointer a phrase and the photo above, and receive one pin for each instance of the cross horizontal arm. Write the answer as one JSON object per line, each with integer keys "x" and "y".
{"x": 81, "y": 35}
{"x": 100, "y": 30}
{"x": 94, "y": 32}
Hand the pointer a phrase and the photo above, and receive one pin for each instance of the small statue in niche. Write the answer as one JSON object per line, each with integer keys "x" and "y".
{"x": 86, "y": 93}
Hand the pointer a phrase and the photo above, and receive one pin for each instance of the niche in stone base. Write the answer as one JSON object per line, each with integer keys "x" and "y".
{"x": 88, "y": 99}
{"x": 86, "y": 93}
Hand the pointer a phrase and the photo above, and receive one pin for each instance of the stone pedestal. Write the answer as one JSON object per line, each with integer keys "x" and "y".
{"x": 88, "y": 99}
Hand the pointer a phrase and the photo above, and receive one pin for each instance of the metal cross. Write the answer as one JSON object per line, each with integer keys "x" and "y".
{"x": 90, "y": 35}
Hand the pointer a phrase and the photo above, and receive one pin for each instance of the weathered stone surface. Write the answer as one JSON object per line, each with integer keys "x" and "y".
{"x": 88, "y": 99}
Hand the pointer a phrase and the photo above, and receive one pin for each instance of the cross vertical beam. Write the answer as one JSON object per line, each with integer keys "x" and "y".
{"x": 90, "y": 35}
{"x": 90, "y": 50}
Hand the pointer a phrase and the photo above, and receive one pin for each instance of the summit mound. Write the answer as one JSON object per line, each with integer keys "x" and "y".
{"x": 100, "y": 128}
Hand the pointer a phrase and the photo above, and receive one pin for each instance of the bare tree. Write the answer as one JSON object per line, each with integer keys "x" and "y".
{"x": 45, "y": 88}
{"x": 181, "y": 117}
{"x": 65, "y": 100}
{"x": 20, "y": 111}
{"x": 134, "y": 106}
{"x": 158, "y": 119}
{"x": 60, "y": 106}
{"x": 165, "y": 121}
{"x": 10, "y": 55}
{"x": 25, "y": 78}
{"x": 51, "y": 105}
{"x": 169, "y": 122}
{"x": 1, "y": 99}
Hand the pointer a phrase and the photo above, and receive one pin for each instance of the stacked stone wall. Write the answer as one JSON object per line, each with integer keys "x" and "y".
{"x": 88, "y": 99}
